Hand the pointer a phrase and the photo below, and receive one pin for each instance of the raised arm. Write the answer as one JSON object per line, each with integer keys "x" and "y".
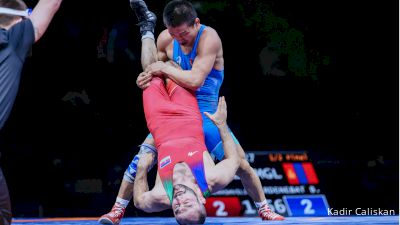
{"x": 222, "y": 173}
{"x": 42, "y": 15}
{"x": 149, "y": 201}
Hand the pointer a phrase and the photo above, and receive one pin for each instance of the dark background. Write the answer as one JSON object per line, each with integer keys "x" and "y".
{"x": 64, "y": 155}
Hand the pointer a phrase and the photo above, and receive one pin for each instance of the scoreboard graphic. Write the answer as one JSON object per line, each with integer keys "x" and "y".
{"x": 289, "y": 181}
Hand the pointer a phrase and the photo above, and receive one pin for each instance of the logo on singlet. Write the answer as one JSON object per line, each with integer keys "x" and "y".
{"x": 165, "y": 161}
{"x": 178, "y": 60}
{"x": 190, "y": 154}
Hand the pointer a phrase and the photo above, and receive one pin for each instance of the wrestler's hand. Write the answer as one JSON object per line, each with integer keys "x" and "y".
{"x": 173, "y": 64}
{"x": 143, "y": 80}
{"x": 156, "y": 67}
{"x": 219, "y": 117}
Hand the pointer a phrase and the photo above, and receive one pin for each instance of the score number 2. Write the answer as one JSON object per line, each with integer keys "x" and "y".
{"x": 306, "y": 205}
{"x": 220, "y": 206}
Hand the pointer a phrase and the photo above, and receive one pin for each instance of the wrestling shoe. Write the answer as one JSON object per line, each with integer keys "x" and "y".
{"x": 146, "y": 19}
{"x": 267, "y": 214}
{"x": 114, "y": 217}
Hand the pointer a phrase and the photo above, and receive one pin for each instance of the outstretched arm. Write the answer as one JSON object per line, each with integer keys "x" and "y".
{"x": 223, "y": 172}
{"x": 42, "y": 15}
{"x": 149, "y": 201}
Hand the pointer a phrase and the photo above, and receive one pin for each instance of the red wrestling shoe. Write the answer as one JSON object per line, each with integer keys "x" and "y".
{"x": 267, "y": 214}
{"x": 114, "y": 217}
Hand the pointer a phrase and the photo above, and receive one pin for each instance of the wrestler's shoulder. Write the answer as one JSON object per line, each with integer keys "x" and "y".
{"x": 209, "y": 31}
{"x": 164, "y": 38}
{"x": 164, "y": 35}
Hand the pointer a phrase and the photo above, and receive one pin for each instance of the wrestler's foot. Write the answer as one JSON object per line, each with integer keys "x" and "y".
{"x": 114, "y": 217}
{"x": 267, "y": 214}
{"x": 146, "y": 19}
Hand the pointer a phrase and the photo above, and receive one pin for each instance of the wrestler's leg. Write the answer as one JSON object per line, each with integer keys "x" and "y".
{"x": 125, "y": 192}
{"x": 146, "y": 22}
{"x": 251, "y": 182}
{"x": 155, "y": 97}
{"x": 149, "y": 52}
{"x": 249, "y": 178}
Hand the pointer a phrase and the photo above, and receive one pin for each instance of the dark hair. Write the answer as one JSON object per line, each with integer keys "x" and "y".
{"x": 178, "y": 12}
{"x": 6, "y": 19}
{"x": 203, "y": 216}
{"x": 201, "y": 220}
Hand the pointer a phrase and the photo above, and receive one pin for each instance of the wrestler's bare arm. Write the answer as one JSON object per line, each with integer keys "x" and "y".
{"x": 42, "y": 15}
{"x": 164, "y": 43}
{"x": 149, "y": 201}
{"x": 223, "y": 172}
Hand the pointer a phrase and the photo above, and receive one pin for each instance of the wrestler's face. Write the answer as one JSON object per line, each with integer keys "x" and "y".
{"x": 186, "y": 206}
{"x": 185, "y": 34}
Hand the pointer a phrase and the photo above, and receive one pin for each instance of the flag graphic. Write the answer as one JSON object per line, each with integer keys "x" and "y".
{"x": 300, "y": 173}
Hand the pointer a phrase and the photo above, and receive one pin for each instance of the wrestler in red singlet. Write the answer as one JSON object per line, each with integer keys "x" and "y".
{"x": 173, "y": 118}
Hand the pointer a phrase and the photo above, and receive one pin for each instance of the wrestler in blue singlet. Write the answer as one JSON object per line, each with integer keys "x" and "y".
{"x": 207, "y": 99}
{"x": 207, "y": 96}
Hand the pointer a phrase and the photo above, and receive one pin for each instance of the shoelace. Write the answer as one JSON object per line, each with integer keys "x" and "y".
{"x": 117, "y": 211}
{"x": 266, "y": 212}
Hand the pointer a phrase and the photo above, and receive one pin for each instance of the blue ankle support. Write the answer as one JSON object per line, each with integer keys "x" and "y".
{"x": 146, "y": 148}
{"x": 130, "y": 172}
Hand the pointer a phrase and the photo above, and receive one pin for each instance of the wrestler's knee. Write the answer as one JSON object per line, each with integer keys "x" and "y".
{"x": 244, "y": 168}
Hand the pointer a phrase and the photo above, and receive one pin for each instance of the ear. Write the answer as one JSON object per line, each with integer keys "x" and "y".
{"x": 200, "y": 195}
{"x": 202, "y": 200}
{"x": 196, "y": 22}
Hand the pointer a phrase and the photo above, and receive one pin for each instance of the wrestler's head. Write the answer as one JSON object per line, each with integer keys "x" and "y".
{"x": 181, "y": 20}
{"x": 187, "y": 206}
{"x": 7, "y": 20}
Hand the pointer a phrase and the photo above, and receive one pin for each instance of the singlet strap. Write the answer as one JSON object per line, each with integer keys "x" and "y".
{"x": 196, "y": 42}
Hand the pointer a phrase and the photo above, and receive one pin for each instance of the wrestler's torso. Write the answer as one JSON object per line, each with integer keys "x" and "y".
{"x": 170, "y": 157}
{"x": 169, "y": 49}
{"x": 182, "y": 174}
{"x": 207, "y": 95}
